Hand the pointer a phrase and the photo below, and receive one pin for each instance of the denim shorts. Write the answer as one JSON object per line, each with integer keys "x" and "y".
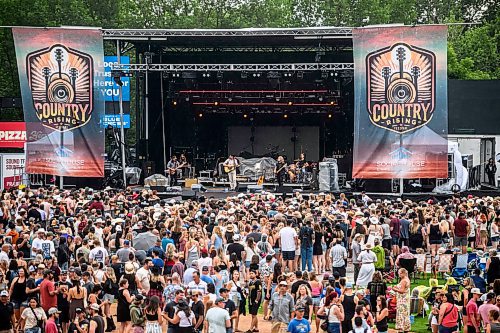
{"x": 395, "y": 240}
{"x": 316, "y": 300}
{"x": 333, "y": 328}
{"x": 444, "y": 329}
{"x": 33, "y": 330}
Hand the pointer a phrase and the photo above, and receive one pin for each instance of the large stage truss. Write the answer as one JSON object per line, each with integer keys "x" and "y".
{"x": 163, "y": 34}
{"x": 234, "y": 67}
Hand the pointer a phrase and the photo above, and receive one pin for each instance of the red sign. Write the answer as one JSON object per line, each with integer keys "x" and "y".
{"x": 12, "y": 134}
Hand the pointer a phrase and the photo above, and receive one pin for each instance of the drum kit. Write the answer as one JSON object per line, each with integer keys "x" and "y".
{"x": 300, "y": 172}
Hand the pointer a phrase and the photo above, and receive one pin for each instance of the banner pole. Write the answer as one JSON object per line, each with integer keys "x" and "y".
{"x": 401, "y": 174}
{"x": 122, "y": 130}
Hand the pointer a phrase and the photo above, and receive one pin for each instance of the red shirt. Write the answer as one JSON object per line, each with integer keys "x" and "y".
{"x": 47, "y": 301}
{"x": 460, "y": 227}
{"x": 472, "y": 311}
{"x": 50, "y": 326}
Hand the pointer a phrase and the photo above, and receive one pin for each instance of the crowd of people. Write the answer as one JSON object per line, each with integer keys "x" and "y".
{"x": 127, "y": 261}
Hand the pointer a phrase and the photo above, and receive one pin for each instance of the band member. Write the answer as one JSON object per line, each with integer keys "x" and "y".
{"x": 280, "y": 170}
{"x": 491, "y": 170}
{"x": 184, "y": 166}
{"x": 302, "y": 165}
{"x": 172, "y": 166}
{"x": 230, "y": 166}
{"x": 292, "y": 173}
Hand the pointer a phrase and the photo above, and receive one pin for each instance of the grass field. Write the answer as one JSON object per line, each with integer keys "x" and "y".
{"x": 420, "y": 323}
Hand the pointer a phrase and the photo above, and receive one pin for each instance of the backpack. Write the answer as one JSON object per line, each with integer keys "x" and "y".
{"x": 305, "y": 236}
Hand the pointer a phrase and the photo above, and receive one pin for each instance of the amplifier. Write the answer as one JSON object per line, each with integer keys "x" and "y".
{"x": 188, "y": 182}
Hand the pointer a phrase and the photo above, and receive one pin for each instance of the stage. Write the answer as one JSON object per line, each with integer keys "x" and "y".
{"x": 292, "y": 190}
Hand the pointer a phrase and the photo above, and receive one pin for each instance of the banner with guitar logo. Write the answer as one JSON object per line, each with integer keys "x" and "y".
{"x": 60, "y": 73}
{"x": 400, "y": 102}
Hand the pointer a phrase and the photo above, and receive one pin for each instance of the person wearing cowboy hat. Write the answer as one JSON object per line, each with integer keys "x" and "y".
{"x": 367, "y": 259}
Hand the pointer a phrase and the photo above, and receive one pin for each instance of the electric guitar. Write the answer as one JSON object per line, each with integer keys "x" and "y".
{"x": 283, "y": 167}
{"x": 172, "y": 171}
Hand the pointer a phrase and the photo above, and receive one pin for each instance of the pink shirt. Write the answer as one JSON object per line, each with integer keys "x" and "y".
{"x": 50, "y": 326}
{"x": 484, "y": 310}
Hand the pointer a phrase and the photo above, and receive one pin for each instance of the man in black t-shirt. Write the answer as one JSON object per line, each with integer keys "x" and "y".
{"x": 229, "y": 305}
{"x": 235, "y": 247}
{"x": 297, "y": 283}
{"x": 80, "y": 323}
{"x": 198, "y": 309}
{"x": 63, "y": 285}
{"x": 6, "y": 311}
{"x": 171, "y": 308}
{"x": 306, "y": 245}
{"x": 254, "y": 299}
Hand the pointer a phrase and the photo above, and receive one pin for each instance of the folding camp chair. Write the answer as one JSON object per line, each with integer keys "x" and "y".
{"x": 444, "y": 263}
{"x": 459, "y": 272}
{"x": 421, "y": 263}
{"x": 410, "y": 265}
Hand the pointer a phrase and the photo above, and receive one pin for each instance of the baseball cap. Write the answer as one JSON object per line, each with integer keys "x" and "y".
{"x": 4, "y": 293}
{"x": 300, "y": 308}
{"x": 54, "y": 310}
{"x": 223, "y": 290}
{"x": 283, "y": 283}
{"x": 94, "y": 306}
{"x": 219, "y": 299}
{"x": 78, "y": 310}
{"x": 476, "y": 291}
{"x": 205, "y": 269}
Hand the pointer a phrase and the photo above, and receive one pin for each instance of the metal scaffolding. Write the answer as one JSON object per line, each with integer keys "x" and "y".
{"x": 163, "y": 34}
{"x": 233, "y": 67}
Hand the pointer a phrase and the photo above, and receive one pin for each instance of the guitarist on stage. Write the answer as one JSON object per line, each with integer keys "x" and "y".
{"x": 172, "y": 167}
{"x": 230, "y": 166}
{"x": 280, "y": 170}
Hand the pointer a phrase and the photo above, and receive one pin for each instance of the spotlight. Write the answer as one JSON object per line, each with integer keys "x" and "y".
{"x": 254, "y": 74}
{"x": 200, "y": 115}
{"x": 324, "y": 75}
{"x": 174, "y": 103}
{"x": 245, "y": 116}
{"x": 330, "y": 115}
{"x": 285, "y": 116}
{"x": 290, "y": 103}
{"x": 187, "y": 99}
{"x": 244, "y": 75}
{"x": 216, "y": 103}
{"x": 320, "y": 98}
{"x": 300, "y": 75}
{"x": 332, "y": 103}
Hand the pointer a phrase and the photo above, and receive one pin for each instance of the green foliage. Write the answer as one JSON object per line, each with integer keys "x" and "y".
{"x": 473, "y": 51}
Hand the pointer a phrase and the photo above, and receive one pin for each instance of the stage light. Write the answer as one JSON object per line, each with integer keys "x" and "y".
{"x": 320, "y": 98}
{"x": 330, "y": 115}
{"x": 187, "y": 99}
{"x": 290, "y": 103}
{"x": 245, "y": 116}
{"x": 174, "y": 103}
{"x": 285, "y": 116}
{"x": 200, "y": 115}
{"x": 300, "y": 75}
{"x": 332, "y": 103}
{"x": 244, "y": 75}
{"x": 324, "y": 75}
{"x": 216, "y": 103}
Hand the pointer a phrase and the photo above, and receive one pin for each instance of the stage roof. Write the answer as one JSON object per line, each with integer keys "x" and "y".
{"x": 292, "y": 38}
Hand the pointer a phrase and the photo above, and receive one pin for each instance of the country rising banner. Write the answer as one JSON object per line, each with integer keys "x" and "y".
{"x": 60, "y": 72}
{"x": 401, "y": 102}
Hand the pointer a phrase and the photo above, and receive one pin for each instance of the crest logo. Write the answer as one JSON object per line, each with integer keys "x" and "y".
{"x": 401, "y": 87}
{"x": 61, "y": 80}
